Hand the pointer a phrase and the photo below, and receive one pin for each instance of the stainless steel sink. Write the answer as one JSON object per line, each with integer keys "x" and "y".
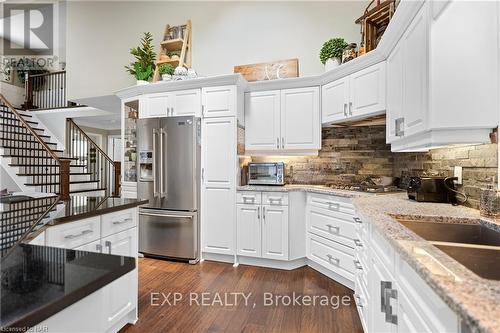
{"x": 475, "y": 246}
{"x": 453, "y": 232}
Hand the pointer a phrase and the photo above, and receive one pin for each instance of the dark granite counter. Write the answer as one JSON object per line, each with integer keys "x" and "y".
{"x": 39, "y": 281}
{"x": 80, "y": 207}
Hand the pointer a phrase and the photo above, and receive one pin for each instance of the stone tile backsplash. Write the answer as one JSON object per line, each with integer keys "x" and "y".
{"x": 350, "y": 154}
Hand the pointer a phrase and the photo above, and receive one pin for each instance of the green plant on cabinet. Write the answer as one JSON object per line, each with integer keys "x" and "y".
{"x": 332, "y": 48}
{"x": 143, "y": 66}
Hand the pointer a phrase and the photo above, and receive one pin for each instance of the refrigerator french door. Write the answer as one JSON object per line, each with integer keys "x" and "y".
{"x": 169, "y": 176}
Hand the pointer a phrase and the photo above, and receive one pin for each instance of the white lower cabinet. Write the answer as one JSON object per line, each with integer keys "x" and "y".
{"x": 262, "y": 229}
{"x": 94, "y": 246}
{"x": 122, "y": 244}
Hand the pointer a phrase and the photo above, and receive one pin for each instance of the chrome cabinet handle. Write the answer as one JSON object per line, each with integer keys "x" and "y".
{"x": 331, "y": 258}
{"x": 122, "y": 221}
{"x": 282, "y": 143}
{"x": 350, "y": 108}
{"x": 358, "y": 243}
{"x": 258, "y": 213}
{"x": 98, "y": 248}
{"x": 264, "y": 213}
{"x": 278, "y": 143}
{"x": 357, "y": 220}
{"x": 108, "y": 245}
{"x": 202, "y": 174}
{"x": 333, "y": 227}
{"x": 358, "y": 265}
{"x": 399, "y": 124}
{"x": 83, "y": 233}
{"x": 203, "y": 111}
{"x": 345, "y": 109}
{"x": 386, "y": 293}
{"x": 333, "y": 204}
{"x": 272, "y": 200}
{"x": 248, "y": 199}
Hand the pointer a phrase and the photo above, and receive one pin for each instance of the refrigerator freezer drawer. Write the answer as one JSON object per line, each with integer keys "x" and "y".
{"x": 169, "y": 234}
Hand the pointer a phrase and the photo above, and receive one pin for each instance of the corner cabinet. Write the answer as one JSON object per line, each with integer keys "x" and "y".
{"x": 355, "y": 96}
{"x": 282, "y": 121}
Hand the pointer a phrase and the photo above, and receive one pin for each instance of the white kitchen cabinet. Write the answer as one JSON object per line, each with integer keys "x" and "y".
{"x": 335, "y": 99}
{"x": 219, "y": 101}
{"x": 75, "y": 234}
{"x": 120, "y": 298}
{"x": 218, "y": 197}
{"x": 383, "y": 298}
{"x": 300, "y": 119}
{"x": 94, "y": 246}
{"x": 262, "y": 120}
{"x": 367, "y": 91}
{"x": 154, "y": 105}
{"x": 395, "y": 63}
{"x": 275, "y": 232}
{"x": 186, "y": 103}
{"x": 123, "y": 243}
{"x": 281, "y": 121}
{"x": 356, "y": 96}
{"x": 249, "y": 229}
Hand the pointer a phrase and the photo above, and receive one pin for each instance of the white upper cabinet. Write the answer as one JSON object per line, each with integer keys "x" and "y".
{"x": 415, "y": 44}
{"x": 355, "y": 96}
{"x": 394, "y": 93}
{"x": 300, "y": 123}
{"x": 335, "y": 99}
{"x": 262, "y": 120}
{"x": 219, "y": 101}
{"x": 367, "y": 91}
{"x": 186, "y": 103}
{"x": 177, "y": 103}
{"x": 282, "y": 121}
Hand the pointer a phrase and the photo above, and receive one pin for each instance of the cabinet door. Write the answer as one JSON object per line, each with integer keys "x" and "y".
{"x": 377, "y": 276}
{"x": 394, "y": 92}
{"x": 334, "y": 100}
{"x": 186, "y": 102}
{"x": 300, "y": 123}
{"x": 120, "y": 298}
{"x": 91, "y": 247}
{"x": 219, "y": 101}
{"x": 218, "y": 201}
{"x": 123, "y": 243}
{"x": 249, "y": 231}
{"x": 262, "y": 120}
{"x": 415, "y": 43}
{"x": 367, "y": 91}
{"x": 155, "y": 105}
{"x": 275, "y": 232}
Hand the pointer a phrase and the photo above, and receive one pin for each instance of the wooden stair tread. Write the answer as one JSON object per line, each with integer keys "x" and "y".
{"x": 28, "y": 148}
{"x": 45, "y": 157}
{"x": 18, "y": 133}
{"x": 18, "y": 126}
{"x": 53, "y": 174}
{"x": 20, "y": 112}
{"x": 89, "y": 190}
{"x": 47, "y": 166}
{"x": 57, "y": 183}
{"x": 29, "y": 141}
{"x": 15, "y": 119}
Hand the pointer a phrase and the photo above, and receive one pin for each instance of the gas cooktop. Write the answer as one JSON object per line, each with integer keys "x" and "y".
{"x": 366, "y": 188}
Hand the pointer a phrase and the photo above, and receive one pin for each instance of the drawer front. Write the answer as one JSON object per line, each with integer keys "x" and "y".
{"x": 331, "y": 202}
{"x": 91, "y": 247}
{"x": 333, "y": 256}
{"x": 275, "y": 198}
{"x": 248, "y": 197}
{"x": 335, "y": 226}
{"x": 74, "y": 234}
{"x": 118, "y": 221}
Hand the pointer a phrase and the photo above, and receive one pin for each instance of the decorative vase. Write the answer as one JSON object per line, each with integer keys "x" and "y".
{"x": 141, "y": 82}
{"x": 332, "y": 63}
{"x": 166, "y": 77}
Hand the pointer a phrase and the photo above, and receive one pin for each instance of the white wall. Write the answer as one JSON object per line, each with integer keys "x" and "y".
{"x": 225, "y": 34}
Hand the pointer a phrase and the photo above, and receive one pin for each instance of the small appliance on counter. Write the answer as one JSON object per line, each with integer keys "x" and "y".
{"x": 433, "y": 189}
{"x": 266, "y": 173}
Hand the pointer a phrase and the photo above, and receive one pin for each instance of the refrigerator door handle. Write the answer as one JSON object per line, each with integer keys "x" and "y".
{"x": 162, "y": 171}
{"x": 167, "y": 215}
{"x": 155, "y": 171}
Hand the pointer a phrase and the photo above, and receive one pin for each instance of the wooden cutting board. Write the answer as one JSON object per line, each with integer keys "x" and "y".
{"x": 269, "y": 70}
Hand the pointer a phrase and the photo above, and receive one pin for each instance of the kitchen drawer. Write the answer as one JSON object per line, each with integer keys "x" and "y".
{"x": 334, "y": 256}
{"x": 248, "y": 197}
{"x": 115, "y": 222}
{"x": 331, "y": 202}
{"x": 91, "y": 247}
{"x": 74, "y": 234}
{"x": 275, "y": 198}
{"x": 361, "y": 270}
{"x": 336, "y": 226}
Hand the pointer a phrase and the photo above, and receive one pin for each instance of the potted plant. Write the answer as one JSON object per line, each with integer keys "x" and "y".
{"x": 166, "y": 71}
{"x": 331, "y": 52}
{"x": 143, "y": 66}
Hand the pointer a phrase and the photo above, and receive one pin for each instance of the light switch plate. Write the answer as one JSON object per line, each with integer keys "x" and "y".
{"x": 457, "y": 172}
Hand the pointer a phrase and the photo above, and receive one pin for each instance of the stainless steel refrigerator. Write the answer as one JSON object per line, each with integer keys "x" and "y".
{"x": 169, "y": 176}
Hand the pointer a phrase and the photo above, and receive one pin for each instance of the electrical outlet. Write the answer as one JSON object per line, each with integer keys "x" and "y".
{"x": 457, "y": 172}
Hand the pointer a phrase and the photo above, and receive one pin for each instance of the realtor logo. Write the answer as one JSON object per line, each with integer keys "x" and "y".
{"x": 28, "y": 28}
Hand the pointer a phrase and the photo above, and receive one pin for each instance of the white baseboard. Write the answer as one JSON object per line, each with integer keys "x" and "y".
{"x": 332, "y": 275}
{"x": 271, "y": 263}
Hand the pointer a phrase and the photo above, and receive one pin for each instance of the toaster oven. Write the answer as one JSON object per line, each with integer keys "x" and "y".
{"x": 266, "y": 173}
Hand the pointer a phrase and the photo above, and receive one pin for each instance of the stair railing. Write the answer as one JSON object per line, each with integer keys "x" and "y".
{"x": 33, "y": 154}
{"x": 103, "y": 170}
{"x": 45, "y": 91}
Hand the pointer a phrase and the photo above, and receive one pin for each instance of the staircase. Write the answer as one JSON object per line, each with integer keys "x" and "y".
{"x": 40, "y": 167}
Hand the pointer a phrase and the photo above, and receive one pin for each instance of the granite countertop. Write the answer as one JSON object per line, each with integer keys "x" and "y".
{"x": 476, "y": 300}
{"x": 320, "y": 189}
{"x": 39, "y": 281}
{"x": 80, "y": 207}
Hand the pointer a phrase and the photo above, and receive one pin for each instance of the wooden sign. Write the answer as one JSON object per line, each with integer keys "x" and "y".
{"x": 269, "y": 70}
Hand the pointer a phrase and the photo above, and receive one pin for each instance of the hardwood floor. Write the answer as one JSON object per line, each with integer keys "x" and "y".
{"x": 220, "y": 279}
